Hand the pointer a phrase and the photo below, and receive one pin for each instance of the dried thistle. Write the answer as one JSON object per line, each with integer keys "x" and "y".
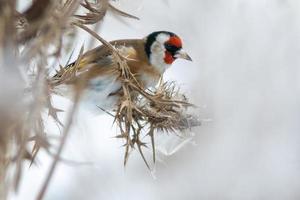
{"x": 142, "y": 112}
{"x": 98, "y": 10}
{"x": 25, "y": 39}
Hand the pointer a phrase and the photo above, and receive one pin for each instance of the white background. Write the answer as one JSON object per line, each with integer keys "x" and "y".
{"x": 245, "y": 78}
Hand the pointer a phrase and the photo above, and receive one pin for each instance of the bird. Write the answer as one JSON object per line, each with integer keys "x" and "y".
{"x": 147, "y": 58}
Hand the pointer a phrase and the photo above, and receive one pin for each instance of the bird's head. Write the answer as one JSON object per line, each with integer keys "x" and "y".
{"x": 163, "y": 48}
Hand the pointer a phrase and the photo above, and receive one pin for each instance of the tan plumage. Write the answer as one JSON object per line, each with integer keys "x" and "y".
{"x": 98, "y": 62}
{"x": 97, "y": 76}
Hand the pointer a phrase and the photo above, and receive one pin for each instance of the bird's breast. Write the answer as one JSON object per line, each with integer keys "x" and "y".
{"x": 145, "y": 73}
{"x": 139, "y": 64}
{"x": 101, "y": 93}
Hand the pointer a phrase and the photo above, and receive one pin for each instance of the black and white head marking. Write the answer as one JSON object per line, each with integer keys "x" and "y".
{"x": 156, "y": 47}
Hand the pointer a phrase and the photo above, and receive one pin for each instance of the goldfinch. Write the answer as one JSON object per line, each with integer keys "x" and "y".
{"x": 147, "y": 58}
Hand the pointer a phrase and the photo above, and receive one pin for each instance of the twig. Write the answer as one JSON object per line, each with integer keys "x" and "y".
{"x": 67, "y": 128}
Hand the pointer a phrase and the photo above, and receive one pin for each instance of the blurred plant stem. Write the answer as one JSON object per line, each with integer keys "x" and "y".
{"x": 6, "y": 118}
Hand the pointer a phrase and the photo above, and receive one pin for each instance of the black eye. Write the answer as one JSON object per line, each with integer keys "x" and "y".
{"x": 171, "y": 48}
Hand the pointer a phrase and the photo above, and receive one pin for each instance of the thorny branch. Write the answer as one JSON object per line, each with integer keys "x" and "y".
{"x": 25, "y": 40}
{"x": 142, "y": 112}
{"x": 62, "y": 141}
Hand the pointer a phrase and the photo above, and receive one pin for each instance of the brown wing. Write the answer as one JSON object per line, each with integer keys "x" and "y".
{"x": 102, "y": 56}
{"x": 99, "y": 61}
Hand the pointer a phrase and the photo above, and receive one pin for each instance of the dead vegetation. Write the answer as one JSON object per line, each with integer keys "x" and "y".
{"x": 25, "y": 87}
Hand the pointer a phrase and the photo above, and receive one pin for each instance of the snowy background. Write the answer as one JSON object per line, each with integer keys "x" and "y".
{"x": 245, "y": 78}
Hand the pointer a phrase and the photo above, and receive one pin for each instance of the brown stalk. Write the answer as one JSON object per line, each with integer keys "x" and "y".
{"x": 63, "y": 140}
{"x": 25, "y": 39}
{"x": 160, "y": 113}
{"x": 122, "y": 13}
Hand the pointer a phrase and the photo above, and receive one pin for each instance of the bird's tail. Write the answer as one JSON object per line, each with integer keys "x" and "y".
{"x": 62, "y": 70}
{"x": 58, "y": 81}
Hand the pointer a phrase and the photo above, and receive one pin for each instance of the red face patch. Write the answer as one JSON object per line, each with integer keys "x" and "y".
{"x": 175, "y": 41}
{"x": 168, "y": 58}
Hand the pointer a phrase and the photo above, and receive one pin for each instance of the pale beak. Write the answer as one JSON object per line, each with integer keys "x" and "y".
{"x": 182, "y": 54}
